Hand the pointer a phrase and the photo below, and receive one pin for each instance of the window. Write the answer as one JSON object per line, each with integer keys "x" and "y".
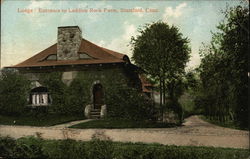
{"x": 52, "y": 57}
{"x": 40, "y": 99}
{"x": 85, "y": 56}
{"x": 39, "y": 96}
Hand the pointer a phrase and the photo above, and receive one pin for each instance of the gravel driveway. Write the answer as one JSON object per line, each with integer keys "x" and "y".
{"x": 195, "y": 132}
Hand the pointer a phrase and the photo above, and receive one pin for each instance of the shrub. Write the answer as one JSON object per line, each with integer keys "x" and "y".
{"x": 14, "y": 89}
{"x": 7, "y": 146}
{"x": 175, "y": 106}
{"x": 97, "y": 149}
{"x": 129, "y": 103}
{"x": 64, "y": 149}
{"x": 31, "y": 147}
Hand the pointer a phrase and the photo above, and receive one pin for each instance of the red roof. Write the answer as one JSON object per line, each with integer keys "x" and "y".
{"x": 145, "y": 83}
{"x": 100, "y": 56}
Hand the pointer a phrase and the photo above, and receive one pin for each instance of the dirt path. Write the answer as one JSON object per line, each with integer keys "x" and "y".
{"x": 195, "y": 132}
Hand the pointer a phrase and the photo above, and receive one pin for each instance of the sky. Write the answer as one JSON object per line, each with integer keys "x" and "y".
{"x": 27, "y": 28}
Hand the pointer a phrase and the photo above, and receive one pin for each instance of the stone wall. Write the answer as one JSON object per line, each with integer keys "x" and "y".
{"x": 83, "y": 78}
{"x": 68, "y": 43}
{"x": 68, "y": 77}
{"x": 114, "y": 75}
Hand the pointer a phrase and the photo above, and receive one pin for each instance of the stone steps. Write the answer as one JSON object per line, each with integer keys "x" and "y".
{"x": 95, "y": 113}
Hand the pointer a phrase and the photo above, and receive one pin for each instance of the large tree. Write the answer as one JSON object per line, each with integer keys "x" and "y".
{"x": 162, "y": 52}
{"x": 223, "y": 69}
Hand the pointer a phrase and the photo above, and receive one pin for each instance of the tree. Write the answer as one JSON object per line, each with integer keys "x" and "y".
{"x": 223, "y": 69}
{"x": 163, "y": 53}
{"x": 13, "y": 92}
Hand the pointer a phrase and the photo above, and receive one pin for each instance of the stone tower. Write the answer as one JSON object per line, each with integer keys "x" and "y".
{"x": 68, "y": 42}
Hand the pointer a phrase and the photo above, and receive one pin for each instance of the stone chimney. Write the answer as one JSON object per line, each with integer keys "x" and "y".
{"x": 68, "y": 42}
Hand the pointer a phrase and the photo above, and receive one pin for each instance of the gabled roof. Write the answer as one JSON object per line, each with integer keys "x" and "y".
{"x": 100, "y": 56}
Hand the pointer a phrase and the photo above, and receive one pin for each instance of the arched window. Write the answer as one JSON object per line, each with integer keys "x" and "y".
{"x": 39, "y": 96}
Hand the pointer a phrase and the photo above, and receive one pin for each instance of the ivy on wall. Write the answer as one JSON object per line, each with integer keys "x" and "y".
{"x": 122, "y": 100}
{"x": 14, "y": 89}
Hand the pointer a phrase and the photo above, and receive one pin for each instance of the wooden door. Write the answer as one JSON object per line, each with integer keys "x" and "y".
{"x": 98, "y": 96}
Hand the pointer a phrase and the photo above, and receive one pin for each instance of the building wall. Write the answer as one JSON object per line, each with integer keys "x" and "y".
{"x": 107, "y": 76}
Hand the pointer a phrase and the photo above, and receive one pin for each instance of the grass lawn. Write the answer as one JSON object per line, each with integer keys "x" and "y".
{"x": 229, "y": 124}
{"x": 45, "y": 120}
{"x": 120, "y": 124}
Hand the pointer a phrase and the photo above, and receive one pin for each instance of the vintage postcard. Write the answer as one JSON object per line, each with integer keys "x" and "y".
{"x": 124, "y": 79}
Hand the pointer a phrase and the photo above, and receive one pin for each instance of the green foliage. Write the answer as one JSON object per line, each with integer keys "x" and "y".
{"x": 122, "y": 101}
{"x": 162, "y": 52}
{"x": 128, "y": 103}
{"x": 176, "y": 107}
{"x": 160, "y": 49}
{"x": 96, "y": 149}
{"x": 184, "y": 91}
{"x": 66, "y": 99}
{"x": 64, "y": 149}
{"x": 57, "y": 90}
{"x": 223, "y": 69}
{"x": 228, "y": 124}
{"x": 187, "y": 102}
{"x": 191, "y": 91}
{"x": 77, "y": 96}
{"x": 7, "y": 146}
{"x": 28, "y": 147}
{"x": 14, "y": 89}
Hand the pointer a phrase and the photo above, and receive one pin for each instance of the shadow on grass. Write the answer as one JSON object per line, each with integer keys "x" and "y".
{"x": 228, "y": 124}
{"x": 42, "y": 120}
{"x": 122, "y": 124}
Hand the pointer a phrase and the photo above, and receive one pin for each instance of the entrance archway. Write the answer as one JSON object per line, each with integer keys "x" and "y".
{"x": 98, "y": 96}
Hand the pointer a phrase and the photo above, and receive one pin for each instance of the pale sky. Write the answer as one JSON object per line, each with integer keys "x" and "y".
{"x": 26, "y": 34}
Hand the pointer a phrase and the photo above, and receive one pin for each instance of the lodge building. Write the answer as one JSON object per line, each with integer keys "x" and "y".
{"x": 72, "y": 55}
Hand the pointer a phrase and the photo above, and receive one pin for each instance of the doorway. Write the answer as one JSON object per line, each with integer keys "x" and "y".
{"x": 98, "y": 96}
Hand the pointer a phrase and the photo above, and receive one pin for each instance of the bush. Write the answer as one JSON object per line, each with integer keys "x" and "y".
{"x": 129, "y": 103}
{"x": 30, "y": 147}
{"x": 175, "y": 106}
{"x": 64, "y": 149}
{"x": 7, "y": 146}
{"x": 14, "y": 89}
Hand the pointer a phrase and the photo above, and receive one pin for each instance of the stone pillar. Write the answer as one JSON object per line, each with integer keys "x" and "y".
{"x": 68, "y": 42}
{"x": 87, "y": 111}
{"x": 103, "y": 111}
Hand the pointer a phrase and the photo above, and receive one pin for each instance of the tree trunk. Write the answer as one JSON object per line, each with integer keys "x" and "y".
{"x": 171, "y": 92}
{"x": 164, "y": 92}
{"x": 160, "y": 92}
